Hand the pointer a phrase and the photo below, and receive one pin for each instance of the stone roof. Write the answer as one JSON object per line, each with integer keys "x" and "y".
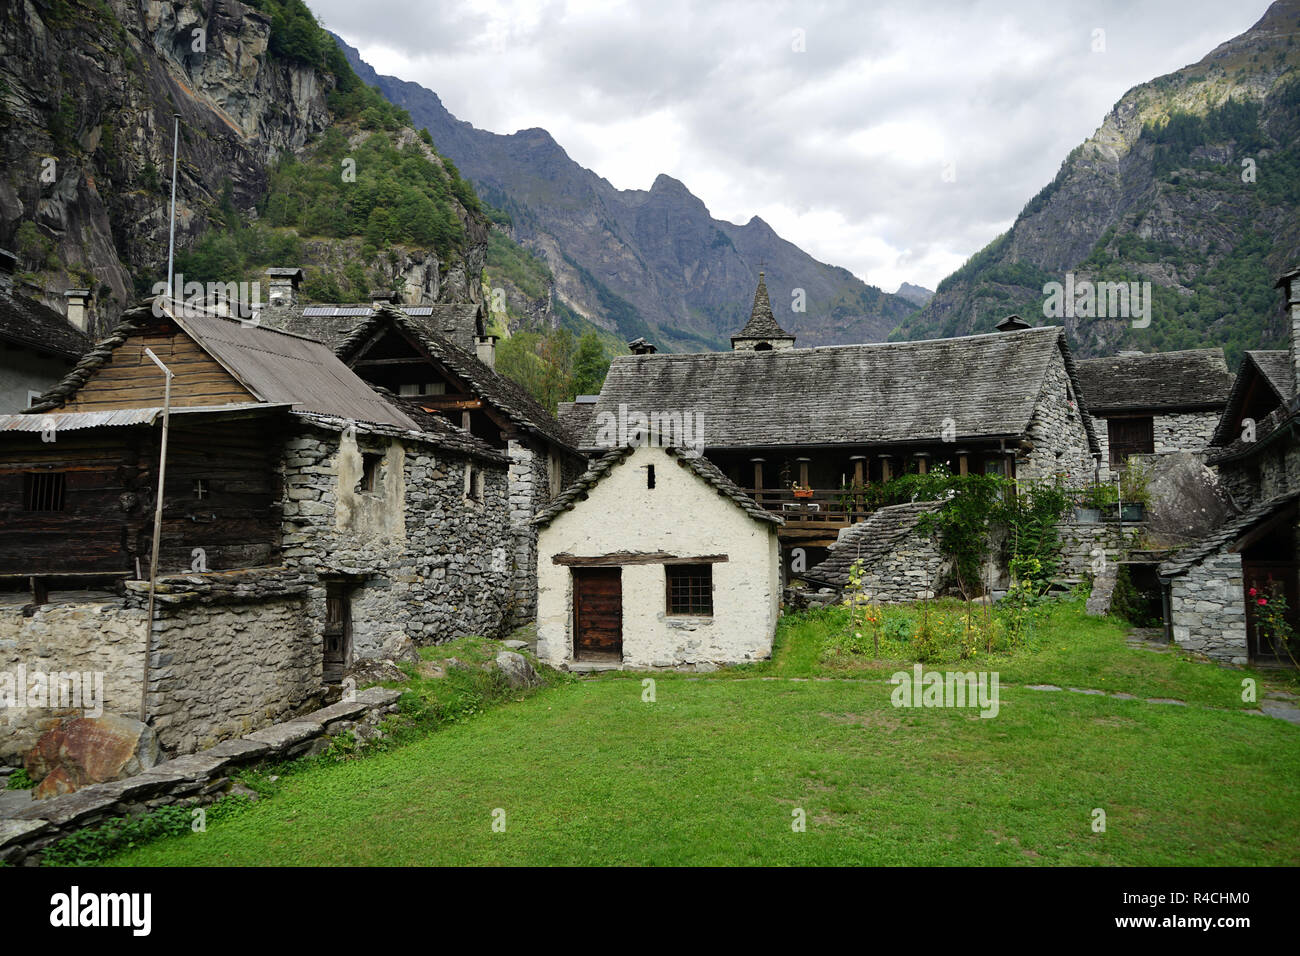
{"x": 1222, "y": 537}
{"x": 869, "y": 540}
{"x": 501, "y": 393}
{"x": 1273, "y": 367}
{"x": 762, "y": 323}
{"x": 701, "y": 466}
{"x": 881, "y": 393}
{"x": 332, "y": 323}
{"x": 1191, "y": 380}
{"x": 275, "y": 366}
{"x": 576, "y": 415}
{"x": 34, "y": 326}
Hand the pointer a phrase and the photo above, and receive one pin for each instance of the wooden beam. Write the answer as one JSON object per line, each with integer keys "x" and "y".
{"x": 413, "y": 360}
{"x": 620, "y": 558}
{"x": 450, "y": 403}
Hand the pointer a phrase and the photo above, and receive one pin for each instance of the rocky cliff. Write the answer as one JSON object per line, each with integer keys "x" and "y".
{"x": 1192, "y": 183}
{"x": 650, "y": 263}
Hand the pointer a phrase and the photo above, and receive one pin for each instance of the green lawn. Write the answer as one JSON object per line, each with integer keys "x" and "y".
{"x": 711, "y": 772}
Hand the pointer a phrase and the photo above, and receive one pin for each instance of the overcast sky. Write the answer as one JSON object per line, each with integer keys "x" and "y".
{"x": 840, "y": 146}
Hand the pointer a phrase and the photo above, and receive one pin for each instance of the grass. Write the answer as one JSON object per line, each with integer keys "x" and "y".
{"x": 714, "y": 769}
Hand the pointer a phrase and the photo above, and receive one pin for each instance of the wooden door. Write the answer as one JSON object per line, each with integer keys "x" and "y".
{"x": 598, "y": 614}
{"x": 1130, "y": 436}
{"x": 338, "y": 632}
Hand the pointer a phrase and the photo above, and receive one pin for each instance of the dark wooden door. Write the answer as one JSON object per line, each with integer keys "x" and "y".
{"x": 1130, "y": 436}
{"x": 598, "y": 614}
{"x": 338, "y": 632}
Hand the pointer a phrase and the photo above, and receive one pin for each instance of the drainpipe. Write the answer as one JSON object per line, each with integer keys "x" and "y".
{"x": 157, "y": 530}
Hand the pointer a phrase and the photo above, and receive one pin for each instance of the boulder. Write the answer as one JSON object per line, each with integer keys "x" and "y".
{"x": 89, "y": 750}
{"x": 398, "y": 648}
{"x": 515, "y": 645}
{"x": 516, "y": 669}
{"x": 1187, "y": 501}
{"x": 371, "y": 671}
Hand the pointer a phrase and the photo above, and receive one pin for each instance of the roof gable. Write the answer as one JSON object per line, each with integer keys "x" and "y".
{"x": 28, "y": 323}
{"x": 217, "y": 360}
{"x": 1261, "y": 386}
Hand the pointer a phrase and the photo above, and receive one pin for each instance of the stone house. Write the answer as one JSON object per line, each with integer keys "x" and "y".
{"x": 1154, "y": 404}
{"x": 307, "y": 522}
{"x": 37, "y": 345}
{"x": 439, "y": 357}
{"x": 838, "y": 420}
{"x": 653, "y": 558}
{"x": 1256, "y": 450}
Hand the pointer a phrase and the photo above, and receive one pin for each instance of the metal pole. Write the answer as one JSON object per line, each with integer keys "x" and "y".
{"x": 157, "y": 530}
{"x": 171, "y": 238}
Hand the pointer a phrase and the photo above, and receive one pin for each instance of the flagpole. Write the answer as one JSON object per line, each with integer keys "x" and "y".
{"x": 171, "y": 238}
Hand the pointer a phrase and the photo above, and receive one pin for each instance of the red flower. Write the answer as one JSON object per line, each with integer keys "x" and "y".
{"x": 1253, "y": 592}
{"x": 1262, "y": 601}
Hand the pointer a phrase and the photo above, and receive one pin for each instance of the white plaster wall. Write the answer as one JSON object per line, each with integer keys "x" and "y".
{"x": 682, "y": 515}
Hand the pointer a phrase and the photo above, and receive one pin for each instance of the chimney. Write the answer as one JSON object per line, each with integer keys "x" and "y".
{"x": 487, "y": 349}
{"x": 283, "y": 291}
{"x": 641, "y": 347}
{"x": 79, "y": 307}
{"x": 1290, "y": 283}
{"x": 380, "y": 297}
{"x": 1012, "y": 323}
{"x": 7, "y": 263}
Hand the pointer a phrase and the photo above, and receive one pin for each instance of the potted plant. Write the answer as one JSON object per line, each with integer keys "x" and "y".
{"x": 1134, "y": 492}
{"x": 1094, "y": 500}
{"x": 801, "y": 491}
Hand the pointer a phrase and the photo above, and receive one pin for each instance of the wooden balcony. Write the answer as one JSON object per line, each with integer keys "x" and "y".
{"x": 819, "y": 516}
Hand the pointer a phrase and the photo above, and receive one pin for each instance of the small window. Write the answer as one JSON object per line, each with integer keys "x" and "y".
{"x": 473, "y": 483}
{"x": 370, "y": 463}
{"x": 690, "y": 589}
{"x": 649, "y": 476}
{"x": 413, "y": 389}
{"x": 763, "y": 347}
{"x": 202, "y": 489}
{"x": 43, "y": 491}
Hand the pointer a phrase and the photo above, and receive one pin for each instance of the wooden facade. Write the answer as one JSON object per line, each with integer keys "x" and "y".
{"x": 222, "y": 497}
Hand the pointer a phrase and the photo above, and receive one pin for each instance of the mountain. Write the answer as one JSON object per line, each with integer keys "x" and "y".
{"x": 652, "y": 262}
{"x": 266, "y": 102}
{"x": 914, "y": 294}
{"x": 1192, "y": 183}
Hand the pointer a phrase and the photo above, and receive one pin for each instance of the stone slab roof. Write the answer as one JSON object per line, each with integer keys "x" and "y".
{"x": 762, "y": 323}
{"x": 1273, "y": 367}
{"x": 1225, "y": 535}
{"x": 869, "y": 540}
{"x": 701, "y": 466}
{"x": 505, "y": 396}
{"x": 1188, "y": 380}
{"x": 332, "y": 323}
{"x": 847, "y": 394}
{"x": 34, "y": 326}
{"x": 575, "y": 416}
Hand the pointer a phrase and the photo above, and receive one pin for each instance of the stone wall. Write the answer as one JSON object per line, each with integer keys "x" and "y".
{"x": 426, "y": 556}
{"x": 916, "y": 570}
{"x": 99, "y": 638}
{"x": 1083, "y": 544}
{"x": 1058, "y": 433}
{"x": 1185, "y": 432}
{"x": 194, "y": 780}
{"x": 1207, "y": 608}
{"x": 529, "y": 493}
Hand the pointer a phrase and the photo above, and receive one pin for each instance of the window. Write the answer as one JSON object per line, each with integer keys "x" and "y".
{"x": 473, "y": 483}
{"x": 690, "y": 589}
{"x": 412, "y": 389}
{"x": 370, "y": 462}
{"x": 1130, "y": 436}
{"x": 650, "y": 476}
{"x": 43, "y": 491}
{"x": 202, "y": 489}
{"x": 763, "y": 347}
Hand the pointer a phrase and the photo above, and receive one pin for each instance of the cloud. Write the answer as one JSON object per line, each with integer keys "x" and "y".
{"x": 833, "y": 121}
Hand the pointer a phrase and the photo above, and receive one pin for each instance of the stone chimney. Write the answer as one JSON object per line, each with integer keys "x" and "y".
{"x": 641, "y": 347}
{"x": 762, "y": 333}
{"x": 486, "y": 346}
{"x": 283, "y": 287}
{"x": 380, "y": 297}
{"x": 1012, "y": 323}
{"x": 79, "y": 307}
{"x": 1290, "y": 284}
{"x": 7, "y": 263}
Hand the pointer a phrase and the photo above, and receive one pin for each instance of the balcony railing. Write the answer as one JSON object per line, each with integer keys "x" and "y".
{"x": 824, "y": 508}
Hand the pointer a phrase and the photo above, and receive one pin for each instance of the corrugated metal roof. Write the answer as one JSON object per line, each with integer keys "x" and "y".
{"x": 74, "y": 421}
{"x": 280, "y": 367}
